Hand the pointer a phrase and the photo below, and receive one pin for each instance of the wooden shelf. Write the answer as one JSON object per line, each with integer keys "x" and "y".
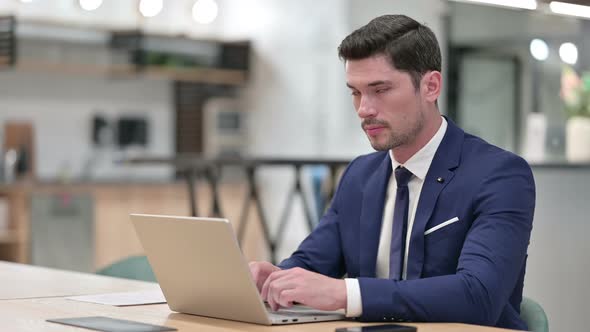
{"x": 198, "y": 75}
{"x": 137, "y": 54}
{"x": 8, "y": 237}
{"x": 73, "y": 68}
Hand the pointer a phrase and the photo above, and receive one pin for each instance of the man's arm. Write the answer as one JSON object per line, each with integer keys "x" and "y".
{"x": 311, "y": 275}
{"x": 490, "y": 263}
{"x": 321, "y": 251}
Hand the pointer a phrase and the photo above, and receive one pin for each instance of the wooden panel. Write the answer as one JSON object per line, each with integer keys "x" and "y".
{"x": 114, "y": 235}
{"x": 20, "y": 136}
{"x": 189, "y": 99}
{"x": 15, "y": 245}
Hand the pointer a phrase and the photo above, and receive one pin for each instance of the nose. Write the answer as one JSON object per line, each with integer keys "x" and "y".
{"x": 365, "y": 108}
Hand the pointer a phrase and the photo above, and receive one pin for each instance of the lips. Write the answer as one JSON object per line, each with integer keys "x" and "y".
{"x": 374, "y": 130}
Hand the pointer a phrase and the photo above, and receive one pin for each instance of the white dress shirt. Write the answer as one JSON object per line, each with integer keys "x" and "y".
{"x": 418, "y": 164}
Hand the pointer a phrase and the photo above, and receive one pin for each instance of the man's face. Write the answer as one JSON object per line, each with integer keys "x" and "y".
{"x": 386, "y": 101}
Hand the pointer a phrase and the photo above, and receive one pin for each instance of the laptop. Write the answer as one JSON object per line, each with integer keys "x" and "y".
{"x": 202, "y": 271}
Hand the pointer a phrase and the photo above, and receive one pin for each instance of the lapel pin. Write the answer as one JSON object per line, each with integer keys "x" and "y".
{"x": 440, "y": 180}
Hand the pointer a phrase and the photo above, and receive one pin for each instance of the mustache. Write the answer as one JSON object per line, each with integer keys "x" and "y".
{"x": 373, "y": 122}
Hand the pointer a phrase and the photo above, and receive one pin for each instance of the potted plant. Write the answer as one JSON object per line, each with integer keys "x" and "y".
{"x": 575, "y": 93}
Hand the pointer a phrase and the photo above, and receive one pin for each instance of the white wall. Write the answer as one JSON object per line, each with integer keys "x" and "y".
{"x": 61, "y": 110}
{"x": 297, "y": 92}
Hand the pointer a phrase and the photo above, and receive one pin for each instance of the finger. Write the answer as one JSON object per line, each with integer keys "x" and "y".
{"x": 271, "y": 278}
{"x": 264, "y": 291}
{"x": 259, "y": 284}
{"x": 279, "y": 286}
{"x": 270, "y": 299}
{"x": 287, "y": 297}
{"x": 257, "y": 276}
{"x": 274, "y": 293}
{"x": 280, "y": 273}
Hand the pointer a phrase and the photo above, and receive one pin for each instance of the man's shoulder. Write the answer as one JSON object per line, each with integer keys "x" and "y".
{"x": 363, "y": 167}
{"x": 359, "y": 172}
{"x": 368, "y": 162}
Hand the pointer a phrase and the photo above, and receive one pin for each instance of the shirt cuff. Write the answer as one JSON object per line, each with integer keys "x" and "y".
{"x": 354, "y": 304}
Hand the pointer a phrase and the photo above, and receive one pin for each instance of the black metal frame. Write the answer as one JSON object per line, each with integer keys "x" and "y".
{"x": 8, "y": 41}
{"x": 194, "y": 167}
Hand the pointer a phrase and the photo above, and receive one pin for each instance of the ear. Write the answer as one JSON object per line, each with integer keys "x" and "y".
{"x": 431, "y": 85}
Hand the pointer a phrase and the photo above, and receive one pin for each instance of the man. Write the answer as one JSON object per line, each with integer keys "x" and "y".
{"x": 432, "y": 227}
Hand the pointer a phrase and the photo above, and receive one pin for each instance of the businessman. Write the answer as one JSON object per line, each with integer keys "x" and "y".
{"x": 435, "y": 225}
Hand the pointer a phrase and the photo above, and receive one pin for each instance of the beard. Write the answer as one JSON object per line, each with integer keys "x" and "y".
{"x": 395, "y": 138}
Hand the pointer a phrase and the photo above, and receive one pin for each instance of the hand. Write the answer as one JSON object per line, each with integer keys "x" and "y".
{"x": 260, "y": 271}
{"x": 284, "y": 287}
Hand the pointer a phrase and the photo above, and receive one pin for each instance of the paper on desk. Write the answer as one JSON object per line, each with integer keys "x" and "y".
{"x": 123, "y": 299}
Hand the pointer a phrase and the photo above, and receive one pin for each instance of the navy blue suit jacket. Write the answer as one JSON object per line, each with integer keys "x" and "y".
{"x": 471, "y": 271}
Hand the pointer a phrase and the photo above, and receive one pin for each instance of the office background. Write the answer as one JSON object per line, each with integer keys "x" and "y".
{"x": 69, "y": 120}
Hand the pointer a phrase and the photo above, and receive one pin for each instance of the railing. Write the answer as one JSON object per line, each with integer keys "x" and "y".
{"x": 193, "y": 167}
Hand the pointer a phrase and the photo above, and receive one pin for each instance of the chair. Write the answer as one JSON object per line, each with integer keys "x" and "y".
{"x": 534, "y": 315}
{"x": 133, "y": 267}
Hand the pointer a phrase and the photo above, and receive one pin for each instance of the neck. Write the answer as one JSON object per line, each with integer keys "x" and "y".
{"x": 431, "y": 126}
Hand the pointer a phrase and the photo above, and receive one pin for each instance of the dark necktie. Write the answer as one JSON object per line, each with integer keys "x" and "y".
{"x": 400, "y": 223}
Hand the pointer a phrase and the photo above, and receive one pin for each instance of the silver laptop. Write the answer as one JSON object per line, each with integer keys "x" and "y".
{"x": 202, "y": 271}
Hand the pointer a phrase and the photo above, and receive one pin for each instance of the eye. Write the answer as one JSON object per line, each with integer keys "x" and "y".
{"x": 382, "y": 90}
{"x": 355, "y": 93}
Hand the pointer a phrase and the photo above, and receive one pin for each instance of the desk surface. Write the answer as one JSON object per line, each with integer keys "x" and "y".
{"x": 45, "y": 288}
{"x": 19, "y": 281}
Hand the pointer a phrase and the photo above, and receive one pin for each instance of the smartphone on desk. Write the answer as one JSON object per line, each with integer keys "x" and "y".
{"x": 378, "y": 328}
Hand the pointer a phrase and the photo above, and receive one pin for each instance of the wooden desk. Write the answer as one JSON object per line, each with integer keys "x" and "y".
{"x": 19, "y": 281}
{"x": 28, "y": 315}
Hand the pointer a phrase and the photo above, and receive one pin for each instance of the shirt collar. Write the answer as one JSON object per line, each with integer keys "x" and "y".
{"x": 420, "y": 162}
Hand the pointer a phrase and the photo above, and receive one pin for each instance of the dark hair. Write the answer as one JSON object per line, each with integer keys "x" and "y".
{"x": 410, "y": 46}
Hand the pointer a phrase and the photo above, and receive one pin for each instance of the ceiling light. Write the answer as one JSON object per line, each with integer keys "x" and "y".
{"x": 90, "y": 5}
{"x": 150, "y": 8}
{"x": 568, "y": 52}
{"x": 523, "y": 4}
{"x": 205, "y": 11}
{"x": 569, "y": 9}
{"x": 539, "y": 49}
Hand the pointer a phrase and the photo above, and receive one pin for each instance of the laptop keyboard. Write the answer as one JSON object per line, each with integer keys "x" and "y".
{"x": 297, "y": 311}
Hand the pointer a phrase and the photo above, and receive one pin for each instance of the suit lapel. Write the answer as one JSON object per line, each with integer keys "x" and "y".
{"x": 374, "y": 193}
{"x": 445, "y": 160}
